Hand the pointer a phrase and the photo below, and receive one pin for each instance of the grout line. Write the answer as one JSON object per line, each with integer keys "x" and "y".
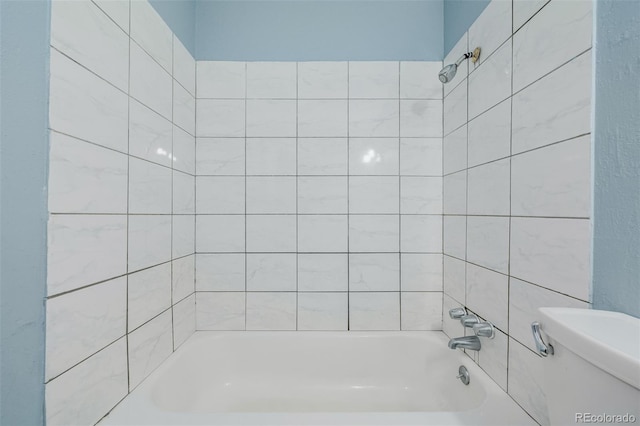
{"x": 399, "y": 209}
{"x": 126, "y": 331}
{"x": 348, "y": 154}
{"x": 297, "y": 194}
{"x": 173, "y": 94}
{"x": 245, "y": 194}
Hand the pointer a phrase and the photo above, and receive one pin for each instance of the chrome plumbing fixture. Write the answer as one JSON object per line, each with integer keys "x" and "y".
{"x": 447, "y": 73}
{"x": 466, "y": 342}
{"x": 457, "y": 313}
{"x": 544, "y": 349}
{"x": 484, "y": 329}
{"x": 463, "y": 375}
{"x": 469, "y": 320}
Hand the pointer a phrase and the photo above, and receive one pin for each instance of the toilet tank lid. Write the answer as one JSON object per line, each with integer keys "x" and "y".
{"x": 609, "y": 340}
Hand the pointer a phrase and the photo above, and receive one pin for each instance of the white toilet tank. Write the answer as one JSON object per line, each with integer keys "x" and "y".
{"x": 593, "y": 375}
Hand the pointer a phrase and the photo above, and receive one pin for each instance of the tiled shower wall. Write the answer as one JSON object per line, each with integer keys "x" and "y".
{"x": 319, "y": 196}
{"x": 121, "y": 197}
{"x": 517, "y": 181}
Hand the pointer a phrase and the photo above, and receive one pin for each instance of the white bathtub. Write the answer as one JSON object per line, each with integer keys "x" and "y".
{"x": 316, "y": 378}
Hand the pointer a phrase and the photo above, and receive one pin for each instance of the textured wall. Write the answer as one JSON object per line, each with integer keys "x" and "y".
{"x": 616, "y": 196}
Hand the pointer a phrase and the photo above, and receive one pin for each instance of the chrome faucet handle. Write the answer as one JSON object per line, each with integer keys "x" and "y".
{"x": 469, "y": 320}
{"x": 544, "y": 349}
{"x": 484, "y": 329}
{"x": 457, "y": 313}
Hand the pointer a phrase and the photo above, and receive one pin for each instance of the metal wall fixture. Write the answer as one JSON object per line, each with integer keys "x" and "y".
{"x": 447, "y": 73}
{"x": 544, "y": 349}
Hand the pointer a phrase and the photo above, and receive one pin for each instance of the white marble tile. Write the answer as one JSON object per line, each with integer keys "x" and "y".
{"x": 271, "y": 272}
{"x": 523, "y": 10}
{"x": 220, "y": 311}
{"x": 149, "y": 83}
{"x": 455, "y": 236}
{"x": 374, "y": 311}
{"x": 84, "y": 249}
{"x": 490, "y": 83}
{"x": 421, "y": 195}
{"x": 83, "y": 32}
{"x": 150, "y": 31}
{"x": 524, "y": 301}
{"x": 220, "y": 272}
{"x": 379, "y": 118}
{"x": 374, "y": 233}
{"x": 322, "y": 194}
{"x": 271, "y": 156}
{"x": 419, "y": 80}
{"x": 323, "y": 311}
{"x": 526, "y": 383}
{"x": 555, "y": 108}
{"x": 271, "y": 118}
{"x": 490, "y": 29}
{"x": 488, "y": 295}
{"x": 271, "y": 80}
{"x": 421, "y": 310}
{"x": 220, "y": 194}
{"x": 184, "y": 66}
{"x": 374, "y": 194}
{"x": 455, "y": 108}
{"x": 220, "y": 156}
{"x": 184, "y": 108}
{"x": 455, "y": 151}
{"x": 221, "y": 79}
{"x": 375, "y": 80}
{"x": 85, "y": 178}
{"x": 455, "y": 193}
{"x": 149, "y": 240}
{"x": 455, "y": 279}
{"x": 148, "y": 294}
{"x": 149, "y": 188}
{"x": 183, "y": 235}
{"x": 460, "y": 48}
{"x": 421, "y": 272}
{"x": 220, "y": 233}
{"x": 118, "y": 10}
{"x": 317, "y": 80}
{"x": 374, "y": 156}
{"x": 451, "y": 327}
{"x": 184, "y": 197}
{"x": 421, "y": 118}
{"x": 83, "y": 322}
{"x": 84, "y": 394}
{"x": 554, "y": 253}
{"x": 559, "y": 32}
{"x": 421, "y": 156}
{"x": 271, "y": 311}
{"x": 322, "y": 118}
{"x": 183, "y": 281}
{"x": 323, "y": 272}
{"x": 85, "y": 106}
{"x": 421, "y": 233}
{"x": 322, "y": 233}
{"x": 222, "y": 118}
{"x": 553, "y": 181}
{"x": 271, "y": 233}
{"x": 488, "y": 242}
{"x": 149, "y": 346}
{"x": 489, "y": 188}
{"x": 322, "y": 156}
{"x": 184, "y": 151}
{"x": 493, "y": 358}
{"x": 374, "y": 272}
{"x": 271, "y": 194}
{"x": 150, "y": 134}
{"x": 184, "y": 320}
{"x": 489, "y": 136}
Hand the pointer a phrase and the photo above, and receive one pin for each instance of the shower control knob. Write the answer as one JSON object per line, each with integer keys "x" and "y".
{"x": 469, "y": 320}
{"x": 484, "y": 329}
{"x": 457, "y": 313}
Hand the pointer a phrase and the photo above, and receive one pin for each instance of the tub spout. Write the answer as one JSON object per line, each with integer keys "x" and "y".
{"x": 467, "y": 342}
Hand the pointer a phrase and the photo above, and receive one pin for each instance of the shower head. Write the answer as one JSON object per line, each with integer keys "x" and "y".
{"x": 447, "y": 73}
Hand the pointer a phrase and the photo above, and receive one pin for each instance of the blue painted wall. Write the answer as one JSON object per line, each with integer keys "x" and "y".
{"x": 616, "y": 157}
{"x": 24, "y": 145}
{"x": 322, "y": 30}
{"x": 458, "y": 17}
{"x": 180, "y": 15}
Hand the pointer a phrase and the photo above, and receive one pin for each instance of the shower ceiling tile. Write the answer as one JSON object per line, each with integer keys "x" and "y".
{"x": 149, "y": 83}
{"x": 150, "y": 31}
{"x": 421, "y": 156}
{"x": 322, "y": 118}
{"x": 220, "y": 311}
{"x": 220, "y": 233}
{"x": 559, "y": 32}
{"x": 374, "y": 80}
{"x": 374, "y": 233}
{"x": 271, "y": 80}
{"x": 323, "y": 311}
{"x": 150, "y": 134}
{"x": 378, "y": 118}
{"x": 490, "y": 29}
{"x": 419, "y": 80}
{"x": 269, "y": 118}
{"x": 421, "y": 272}
{"x": 220, "y": 272}
{"x": 223, "y": 118}
{"x": 420, "y": 118}
{"x": 317, "y": 80}
{"x": 322, "y": 195}
{"x": 221, "y": 79}
{"x": 490, "y": 83}
{"x": 149, "y": 241}
{"x": 374, "y": 272}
